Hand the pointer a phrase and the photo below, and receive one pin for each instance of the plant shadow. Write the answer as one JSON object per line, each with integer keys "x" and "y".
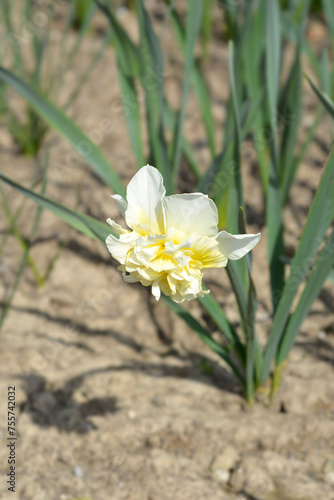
{"x": 49, "y": 407}
{"x": 58, "y": 407}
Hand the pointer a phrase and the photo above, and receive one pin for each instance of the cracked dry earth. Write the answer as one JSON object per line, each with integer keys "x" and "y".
{"x": 116, "y": 397}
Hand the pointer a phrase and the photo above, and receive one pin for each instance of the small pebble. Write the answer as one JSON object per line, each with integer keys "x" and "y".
{"x": 329, "y": 477}
{"x": 78, "y": 472}
{"x": 222, "y": 475}
{"x": 131, "y": 414}
{"x": 321, "y": 335}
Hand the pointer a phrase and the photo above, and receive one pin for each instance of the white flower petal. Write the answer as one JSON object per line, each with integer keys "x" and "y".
{"x": 145, "y": 192}
{"x": 117, "y": 228}
{"x": 156, "y": 292}
{"x": 236, "y": 246}
{"x": 191, "y": 213}
{"x": 171, "y": 248}
{"x": 121, "y": 203}
{"x": 118, "y": 248}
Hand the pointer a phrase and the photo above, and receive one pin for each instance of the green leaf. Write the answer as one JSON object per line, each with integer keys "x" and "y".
{"x": 170, "y": 119}
{"x": 324, "y": 98}
{"x": 319, "y": 218}
{"x": 25, "y": 257}
{"x": 152, "y": 75}
{"x": 81, "y": 222}
{"x": 318, "y": 276}
{"x": 291, "y": 109}
{"x": 217, "y": 315}
{"x": 273, "y": 206}
{"x": 128, "y": 69}
{"x": 216, "y": 168}
{"x": 273, "y": 52}
{"x": 328, "y": 8}
{"x": 127, "y": 52}
{"x": 236, "y": 199}
{"x": 60, "y": 122}
{"x": 254, "y": 359}
{"x": 194, "y": 11}
{"x": 82, "y": 9}
{"x": 234, "y": 190}
{"x": 200, "y": 86}
{"x": 203, "y": 335}
{"x": 239, "y": 291}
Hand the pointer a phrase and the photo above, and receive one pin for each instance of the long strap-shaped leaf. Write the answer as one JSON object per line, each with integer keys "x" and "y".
{"x": 254, "y": 358}
{"x": 194, "y": 11}
{"x": 215, "y": 311}
{"x": 25, "y": 257}
{"x": 199, "y": 329}
{"x": 83, "y": 223}
{"x": 318, "y": 221}
{"x": 127, "y": 52}
{"x": 128, "y": 70}
{"x": 152, "y": 74}
{"x": 73, "y": 134}
{"x": 273, "y": 208}
{"x": 199, "y": 83}
{"x": 324, "y": 98}
{"x": 235, "y": 191}
{"x": 312, "y": 289}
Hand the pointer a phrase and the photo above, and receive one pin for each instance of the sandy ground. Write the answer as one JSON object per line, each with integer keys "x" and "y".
{"x": 116, "y": 397}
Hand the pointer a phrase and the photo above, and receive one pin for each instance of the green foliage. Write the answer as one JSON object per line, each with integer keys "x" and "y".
{"x": 265, "y": 104}
{"x": 30, "y": 53}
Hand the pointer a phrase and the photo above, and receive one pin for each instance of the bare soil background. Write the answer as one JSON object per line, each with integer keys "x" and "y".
{"x": 116, "y": 397}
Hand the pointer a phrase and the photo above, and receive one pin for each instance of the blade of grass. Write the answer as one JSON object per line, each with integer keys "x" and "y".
{"x": 206, "y": 26}
{"x": 26, "y": 252}
{"x": 323, "y": 97}
{"x": 208, "y": 179}
{"x": 328, "y": 8}
{"x": 127, "y": 71}
{"x": 204, "y": 335}
{"x": 291, "y": 109}
{"x": 60, "y": 122}
{"x": 152, "y": 71}
{"x": 14, "y": 230}
{"x": 86, "y": 74}
{"x": 14, "y": 38}
{"x": 215, "y": 311}
{"x": 200, "y": 86}
{"x": 318, "y": 276}
{"x": 299, "y": 158}
{"x": 273, "y": 208}
{"x": 254, "y": 358}
{"x": 126, "y": 50}
{"x": 170, "y": 118}
{"x": 81, "y": 222}
{"x": 235, "y": 192}
{"x": 318, "y": 220}
{"x": 194, "y": 11}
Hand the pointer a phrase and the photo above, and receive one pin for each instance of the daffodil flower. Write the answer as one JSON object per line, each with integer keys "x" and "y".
{"x": 172, "y": 238}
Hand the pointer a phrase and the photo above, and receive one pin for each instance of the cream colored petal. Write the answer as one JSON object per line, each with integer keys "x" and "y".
{"x": 145, "y": 192}
{"x": 156, "y": 292}
{"x": 121, "y": 203}
{"x": 236, "y": 246}
{"x": 206, "y": 253}
{"x": 117, "y": 228}
{"x": 191, "y": 213}
{"x": 117, "y": 248}
{"x": 171, "y": 248}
